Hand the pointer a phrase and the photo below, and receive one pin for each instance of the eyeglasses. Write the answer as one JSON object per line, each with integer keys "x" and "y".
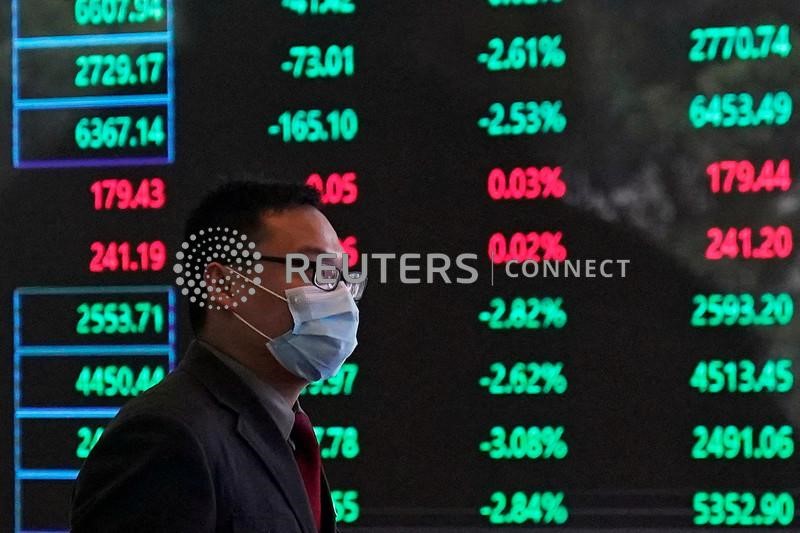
{"x": 330, "y": 277}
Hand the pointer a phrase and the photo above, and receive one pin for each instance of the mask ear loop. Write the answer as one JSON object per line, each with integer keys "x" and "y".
{"x": 273, "y": 293}
{"x": 251, "y": 326}
{"x": 242, "y": 320}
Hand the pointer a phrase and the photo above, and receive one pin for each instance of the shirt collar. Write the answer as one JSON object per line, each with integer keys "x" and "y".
{"x": 280, "y": 411}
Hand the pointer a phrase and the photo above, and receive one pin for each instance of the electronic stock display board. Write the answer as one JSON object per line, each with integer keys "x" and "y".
{"x": 659, "y": 137}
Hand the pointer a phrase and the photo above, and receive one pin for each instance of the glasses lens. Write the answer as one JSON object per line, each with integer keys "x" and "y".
{"x": 327, "y": 275}
{"x": 326, "y": 278}
{"x": 325, "y": 285}
{"x": 356, "y": 288}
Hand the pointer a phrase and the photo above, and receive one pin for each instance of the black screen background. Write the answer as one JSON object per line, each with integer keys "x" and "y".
{"x": 637, "y": 190}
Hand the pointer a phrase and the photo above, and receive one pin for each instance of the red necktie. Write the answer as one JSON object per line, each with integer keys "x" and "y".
{"x": 306, "y": 453}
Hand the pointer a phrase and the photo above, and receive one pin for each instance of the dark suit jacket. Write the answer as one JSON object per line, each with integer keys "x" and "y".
{"x": 196, "y": 453}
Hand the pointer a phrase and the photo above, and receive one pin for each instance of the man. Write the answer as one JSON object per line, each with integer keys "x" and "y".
{"x": 222, "y": 444}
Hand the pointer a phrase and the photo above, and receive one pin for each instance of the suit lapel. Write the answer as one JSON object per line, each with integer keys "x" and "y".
{"x": 255, "y": 426}
{"x": 278, "y": 458}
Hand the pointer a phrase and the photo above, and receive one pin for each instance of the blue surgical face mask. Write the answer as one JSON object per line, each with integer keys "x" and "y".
{"x": 324, "y": 332}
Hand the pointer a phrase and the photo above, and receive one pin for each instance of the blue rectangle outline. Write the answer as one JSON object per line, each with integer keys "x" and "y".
{"x": 170, "y": 83}
{"x": 55, "y": 413}
{"x": 137, "y": 350}
{"x": 17, "y": 395}
{"x": 100, "y": 162}
{"x": 16, "y": 149}
{"x": 15, "y": 155}
{"x": 93, "y": 289}
{"x": 17, "y": 318}
{"x": 81, "y": 349}
{"x": 48, "y": 474}
{"x": 80, "y": 102}
{"x": 104, "y": 102}
{"x": 80, "y": 41}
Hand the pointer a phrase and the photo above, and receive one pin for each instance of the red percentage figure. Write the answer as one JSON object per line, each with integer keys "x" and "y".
{"x": 526, "y": 183}
{"x": 335, "y": 188}
{"x": 527, "y": 246}
{"x": 350, "y": 244}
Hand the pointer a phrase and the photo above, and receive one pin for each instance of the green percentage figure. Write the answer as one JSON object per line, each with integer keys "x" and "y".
{"x": 524, "y": 118}
{"x": 522, "y": 508}
{"x": 526, "y": 443}
{"x": 525, "y": 378}
{"x": 525, "y": 313}
{"x": 524, "y": 53}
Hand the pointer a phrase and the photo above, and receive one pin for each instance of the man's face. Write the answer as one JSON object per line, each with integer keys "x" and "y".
{"x": 303, "y": 230}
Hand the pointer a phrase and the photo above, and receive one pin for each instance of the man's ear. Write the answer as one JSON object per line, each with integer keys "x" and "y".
{"x": 221, "y": 282}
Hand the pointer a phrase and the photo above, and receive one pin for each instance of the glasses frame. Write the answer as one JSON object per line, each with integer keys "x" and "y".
{"x": 356, "y": 289}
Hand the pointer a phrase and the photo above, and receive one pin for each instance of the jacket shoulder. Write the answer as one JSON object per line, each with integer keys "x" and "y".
{"x": 180, "y": 397}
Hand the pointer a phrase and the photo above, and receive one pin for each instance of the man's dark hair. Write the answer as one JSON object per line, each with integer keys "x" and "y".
{"x": 239, "y": 205}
